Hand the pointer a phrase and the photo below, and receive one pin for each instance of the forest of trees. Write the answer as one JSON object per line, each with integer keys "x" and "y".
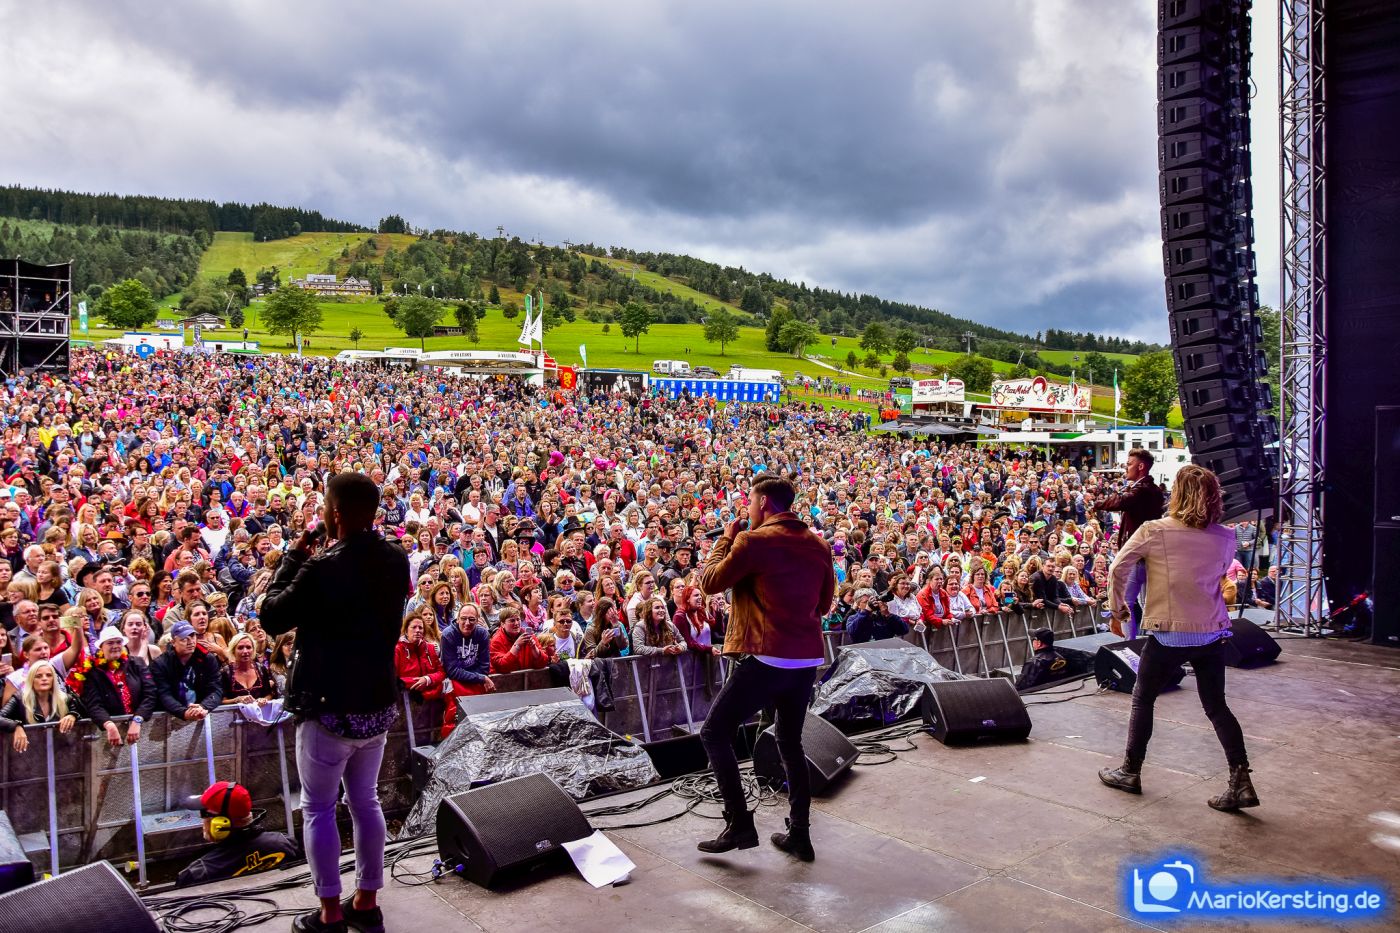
{"x": 164, "y": 215}
{"x": 1070, "y": 340}
{"x": 163, "y": 262}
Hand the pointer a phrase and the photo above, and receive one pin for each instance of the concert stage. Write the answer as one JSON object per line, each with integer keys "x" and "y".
{"x": 1006, "y": 837}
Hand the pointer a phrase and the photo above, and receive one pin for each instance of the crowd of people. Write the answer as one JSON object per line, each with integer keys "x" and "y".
{"x": 145, "y": 506}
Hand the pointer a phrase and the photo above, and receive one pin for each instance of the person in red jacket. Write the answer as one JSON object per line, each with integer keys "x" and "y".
{"x": 934, "y": 605}
{"x": 512, "y": 650}
{"x": 978, "y": 591}
{"x": 416, "y": 661}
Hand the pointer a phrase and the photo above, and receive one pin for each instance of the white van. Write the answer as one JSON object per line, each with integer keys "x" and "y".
{"x": 745, "y": 374}
{"x": 671, "y": 368}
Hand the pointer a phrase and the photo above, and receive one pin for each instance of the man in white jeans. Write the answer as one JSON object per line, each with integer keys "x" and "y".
{"x": 342, "y": 688}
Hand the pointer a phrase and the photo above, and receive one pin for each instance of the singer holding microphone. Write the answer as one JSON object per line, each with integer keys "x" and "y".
{"x": 342, "y": 588}
{"x": 782, "y": 578}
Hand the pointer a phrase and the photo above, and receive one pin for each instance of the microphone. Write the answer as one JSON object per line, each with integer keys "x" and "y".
{"x": 719, "y": 532}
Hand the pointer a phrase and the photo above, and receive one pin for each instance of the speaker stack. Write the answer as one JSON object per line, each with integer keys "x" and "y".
{"x": 1207, "y": 245}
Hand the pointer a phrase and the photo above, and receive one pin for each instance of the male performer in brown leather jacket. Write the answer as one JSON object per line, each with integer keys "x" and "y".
{"x": 1139, "y": 501}
{"x": 782, "y": 578}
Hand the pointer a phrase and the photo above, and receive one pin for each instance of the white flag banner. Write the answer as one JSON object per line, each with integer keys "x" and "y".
{"x": 537, "y": 329}
{"x": 526, "y": 332}
{"x": 583, "y": 355}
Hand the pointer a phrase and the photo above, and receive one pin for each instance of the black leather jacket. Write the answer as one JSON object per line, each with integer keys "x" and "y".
{"x": 346, "y": 604}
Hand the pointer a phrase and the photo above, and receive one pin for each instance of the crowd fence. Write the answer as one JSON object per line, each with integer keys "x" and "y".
{"x": 72, "y": 798}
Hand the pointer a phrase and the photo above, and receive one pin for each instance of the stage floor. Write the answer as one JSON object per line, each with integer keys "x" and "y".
{"x": 1010, "y": 837}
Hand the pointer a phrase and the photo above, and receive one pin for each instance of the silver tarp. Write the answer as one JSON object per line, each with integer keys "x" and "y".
{"x": 878, "y": 680}
{"x": 562, "y": 740}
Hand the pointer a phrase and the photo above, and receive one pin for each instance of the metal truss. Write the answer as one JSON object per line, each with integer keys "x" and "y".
{"x": 1301, "y": 602}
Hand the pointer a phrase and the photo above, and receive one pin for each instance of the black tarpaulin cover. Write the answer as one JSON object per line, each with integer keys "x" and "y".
{"x": 878, "y": 680}
{"x": 562, "y": 740}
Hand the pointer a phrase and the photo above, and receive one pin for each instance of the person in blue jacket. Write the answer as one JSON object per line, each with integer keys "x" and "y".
{"x": 871, "y": 621}
{"x": 466, "y": 658}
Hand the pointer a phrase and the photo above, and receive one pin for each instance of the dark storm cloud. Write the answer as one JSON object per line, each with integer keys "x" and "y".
{"x": 996, "y": 160}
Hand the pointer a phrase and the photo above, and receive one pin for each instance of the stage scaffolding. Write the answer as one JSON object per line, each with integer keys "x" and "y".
{"x": 1302, "y": 603}
{"x": 35, "y": 306}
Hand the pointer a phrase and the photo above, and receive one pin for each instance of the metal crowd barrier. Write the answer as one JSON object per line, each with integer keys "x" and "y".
{"x": 81, "y": 800}
{"x": 982, "y": 644}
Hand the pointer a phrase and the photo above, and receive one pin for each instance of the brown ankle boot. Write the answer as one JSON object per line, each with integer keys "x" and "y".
{"x": 738, "y": 833}
{"x": 797, "y": 842}
{"x": 1127, "y": 776}
{"x": 1239, "y": 794}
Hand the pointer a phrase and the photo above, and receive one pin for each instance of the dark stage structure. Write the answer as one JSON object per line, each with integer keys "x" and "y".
{"x": 35, "y": 305}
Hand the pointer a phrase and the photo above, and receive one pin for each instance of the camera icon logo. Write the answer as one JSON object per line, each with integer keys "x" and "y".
{"x": 1157, "y": 890}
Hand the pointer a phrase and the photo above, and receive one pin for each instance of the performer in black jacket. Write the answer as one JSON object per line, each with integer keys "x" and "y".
{"x": 1140, "y": 500}
{"x": 345, "y": 603}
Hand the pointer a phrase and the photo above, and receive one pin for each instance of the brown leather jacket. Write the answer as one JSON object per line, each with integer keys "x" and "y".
{"x": 1140, "y": 502}
{"x": 783, "y": 582}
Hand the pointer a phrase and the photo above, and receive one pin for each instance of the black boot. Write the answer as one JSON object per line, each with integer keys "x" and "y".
{"x": 797, "y": 842}
{"x": 1127, "y": 776}
{"x": 738, "y": 833}
{"x": 1239, "y": 794}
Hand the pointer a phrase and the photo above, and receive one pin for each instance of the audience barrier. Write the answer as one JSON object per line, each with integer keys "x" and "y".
{"x": 73, "y": 799}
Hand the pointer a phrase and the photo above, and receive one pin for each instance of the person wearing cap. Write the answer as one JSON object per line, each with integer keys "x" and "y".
{"x": 1045, "y": 665}
{"x": 110, "y": 684}
{"x": 240, "y": 846}
{"x": 186, "y": 677}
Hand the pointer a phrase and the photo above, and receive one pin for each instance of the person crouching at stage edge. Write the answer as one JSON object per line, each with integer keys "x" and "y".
{"x": 240, "y": 847}
{"x": 782, "y": 577}
{"x": 1045, "y": 665}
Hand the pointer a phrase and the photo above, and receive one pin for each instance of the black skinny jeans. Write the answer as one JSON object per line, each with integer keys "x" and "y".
{"x": 1154, "y": 669}
{"x": 753, "y": 685}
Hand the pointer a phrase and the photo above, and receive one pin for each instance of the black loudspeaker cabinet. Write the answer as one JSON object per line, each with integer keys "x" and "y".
{"x": 960, "y": 712}
{"x": 502, "y": 829}
{"x": 421, "y": 759}
{"x": 1385, "y": 588}
{"x": 15, "y": 868}
{"x": 513, "y": 699}
{"x": 1249, "y": 645}
{"x": 1115, "y": 666}
{"x": 1387, "y": 456}
{"x": 829, "y": 754}
{"x": 93, "y": 897}
{"x": 1079, "y": 654}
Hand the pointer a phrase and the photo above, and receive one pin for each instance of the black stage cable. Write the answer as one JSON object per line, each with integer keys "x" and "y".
{"x": 1073, "y": 696}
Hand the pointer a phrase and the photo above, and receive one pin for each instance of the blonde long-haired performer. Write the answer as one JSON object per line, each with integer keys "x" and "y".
{"x": 1186, "y": 555}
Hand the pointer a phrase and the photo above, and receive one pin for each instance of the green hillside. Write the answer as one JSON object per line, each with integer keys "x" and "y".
{"x": 293, "y": 256}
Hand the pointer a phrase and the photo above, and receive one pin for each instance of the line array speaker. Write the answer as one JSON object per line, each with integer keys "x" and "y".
{"x": 1207, "y": 244}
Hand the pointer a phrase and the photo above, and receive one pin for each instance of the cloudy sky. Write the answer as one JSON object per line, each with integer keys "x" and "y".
{"x": 994, "y": 160}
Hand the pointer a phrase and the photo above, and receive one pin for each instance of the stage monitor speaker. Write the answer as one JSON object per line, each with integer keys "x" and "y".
{"x": 829, "y": 754}
{"x": 960, "y": 712}
{"x": 15, "y": 868}
{"x": 505, "y": 828}
{"x": 1080, "y": 654}
{"x": 1249, "y": 645}
{"x": 512, "y": 699}
{"x": 678, "y": 755}
{"x": 1385, "y": 591}
{"x": 420, "y": 765}
{"x": 1116, "y": 665}
{"x": 78, "y": 901}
